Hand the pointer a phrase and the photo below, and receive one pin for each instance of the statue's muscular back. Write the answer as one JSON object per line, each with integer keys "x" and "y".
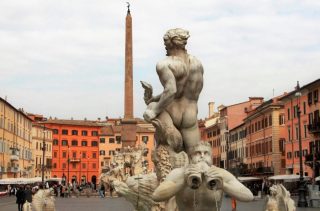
{"x": 188, "y": 74}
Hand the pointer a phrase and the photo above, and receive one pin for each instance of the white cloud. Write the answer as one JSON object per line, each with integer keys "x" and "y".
{"x": 72, "y": 52}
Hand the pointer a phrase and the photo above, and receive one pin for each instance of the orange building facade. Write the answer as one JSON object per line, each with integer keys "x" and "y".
{"x": 231, "y": 117}
{"x": 76, "y": 141}
{"x": 110, "y": 142}
{"x": 265, "y": 139}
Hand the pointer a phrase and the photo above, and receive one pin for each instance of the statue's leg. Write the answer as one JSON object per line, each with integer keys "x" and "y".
{"x": 191, "y": 137}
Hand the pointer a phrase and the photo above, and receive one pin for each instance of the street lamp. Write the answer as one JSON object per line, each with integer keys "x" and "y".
{"x": 43, "y": 153}
{"x": 87, "y": 169}
{"x": 302, "y": 202}
{"x": 68, "y": 164}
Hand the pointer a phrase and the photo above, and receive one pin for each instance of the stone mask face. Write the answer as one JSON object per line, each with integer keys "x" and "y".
{"x": 201, "y": 154}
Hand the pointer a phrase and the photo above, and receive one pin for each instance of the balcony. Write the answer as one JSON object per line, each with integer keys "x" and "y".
{"x": 13, "y": 169}
{"x": 314, "y": 128}
{"x": 75, "y": 160}
{"x": 14, "y": 157}
{"x": 14, "y": 154}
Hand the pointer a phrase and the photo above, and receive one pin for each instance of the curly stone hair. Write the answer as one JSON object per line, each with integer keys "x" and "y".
{"x": 176, "y": 38}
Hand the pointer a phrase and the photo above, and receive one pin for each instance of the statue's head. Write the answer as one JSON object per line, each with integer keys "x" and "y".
{"x": 201, "y": 153}
{"x": 176, "y": 39}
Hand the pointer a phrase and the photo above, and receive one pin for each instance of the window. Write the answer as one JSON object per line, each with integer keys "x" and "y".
{"x": 74, "y": 165}
{"x": 266, "y": 122}
{"x": 309, "y": 98}
{"x": 94, "y": 143}
{"x": 304, "y": 108}
{"x": 74, "y": 154}
{"x": 288, "y": 113}
{"x": 84, "y": 143}
{"x": 102, "y": 152}
{"x": 102, "y": 140}
{"x": 145, "y": 139}
{"x": 74, "y": 143}
{"x": 94, "y": 155}
{"x": 55, "y": 154}
{"x": 84, "y": 154}
{"x": 315, "y": 96}
{"x": 74, "y": 132}
{"x": 305, "y": 130}
{"x": 54, "y": 165}
{"x": 84, "y": 165}
{"x": 281, "y": 119}
{"x": 64, "y": 143}
{"x": 111, "y": 152}
{"x": 289, "y": 133}
{"x": 64, "y": 154}
{"x": 289, "y": 155}
{"x": 297, "y": 132}
{"x": 94, "y": 133}
{"x": 94, "y": 165}
{"x": 84, "y": 133}
{"x": 55, "y": 142}
{"x": 102, "y": 164}
{"x": 270, "y": 120}
{"x": 55, "y": 131}
{"x": 118, "y": 139}
{"x": 64, "y": 132}
{"x": 111, "y": 140}
{"x": 36, "y": 145}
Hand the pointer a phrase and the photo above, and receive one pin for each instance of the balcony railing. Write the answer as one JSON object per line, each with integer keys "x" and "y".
{"x": 14, "y": 157}
{"x": 75, "y": 160}
{"x": 314, "y": 128}
{"x": 13, "y": 169}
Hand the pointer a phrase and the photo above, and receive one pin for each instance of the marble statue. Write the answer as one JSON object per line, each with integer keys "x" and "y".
{"x": 43, "y": 200}
{"x": 137, "y": 190}
{"x": 200, "y": 185}
{"x": 129, "y": 161}
{"x": 279, "y": 199}
{"x": 174, "y": 111}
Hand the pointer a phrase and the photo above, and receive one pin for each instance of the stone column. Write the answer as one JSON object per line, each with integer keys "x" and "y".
{"x": 129, "y": 127}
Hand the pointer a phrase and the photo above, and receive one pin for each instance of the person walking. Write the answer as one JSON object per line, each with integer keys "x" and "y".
{"x": 101, "y": 191}
{"x": 20, "y": 198}
{"x": 28, "y": 194}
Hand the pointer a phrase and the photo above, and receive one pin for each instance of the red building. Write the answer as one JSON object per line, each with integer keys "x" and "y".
{"x": 308, "y": 104}
{"x": 76, "y": 141}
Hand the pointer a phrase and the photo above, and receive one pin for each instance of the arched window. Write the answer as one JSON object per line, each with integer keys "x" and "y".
{"x": 94, "y": 143}
{"x": 74, "y": 143}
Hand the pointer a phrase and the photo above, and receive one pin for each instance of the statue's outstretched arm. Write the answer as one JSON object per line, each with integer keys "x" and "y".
{"x": 231, "y": 185}
{"x": 170, "y": 187}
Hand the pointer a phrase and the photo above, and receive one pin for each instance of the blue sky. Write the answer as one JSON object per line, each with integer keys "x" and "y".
{"x": 66, "y": 58}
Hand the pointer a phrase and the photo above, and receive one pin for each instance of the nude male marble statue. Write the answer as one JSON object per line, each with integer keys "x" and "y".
{"x": 200, "y": 185}
{"x": 174, "y": 111}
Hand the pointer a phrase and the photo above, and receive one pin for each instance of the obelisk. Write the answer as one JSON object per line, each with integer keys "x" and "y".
{"x": 129, "y": 127}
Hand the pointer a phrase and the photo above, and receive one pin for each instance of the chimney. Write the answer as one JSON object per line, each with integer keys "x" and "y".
{"x": 211, "y": 109}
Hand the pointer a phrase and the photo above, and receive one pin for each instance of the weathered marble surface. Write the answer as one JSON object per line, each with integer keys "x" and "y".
{"x": 43, "y": 200}
{"x": 279, "y": 199}
{"x": 200, "y": 185}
